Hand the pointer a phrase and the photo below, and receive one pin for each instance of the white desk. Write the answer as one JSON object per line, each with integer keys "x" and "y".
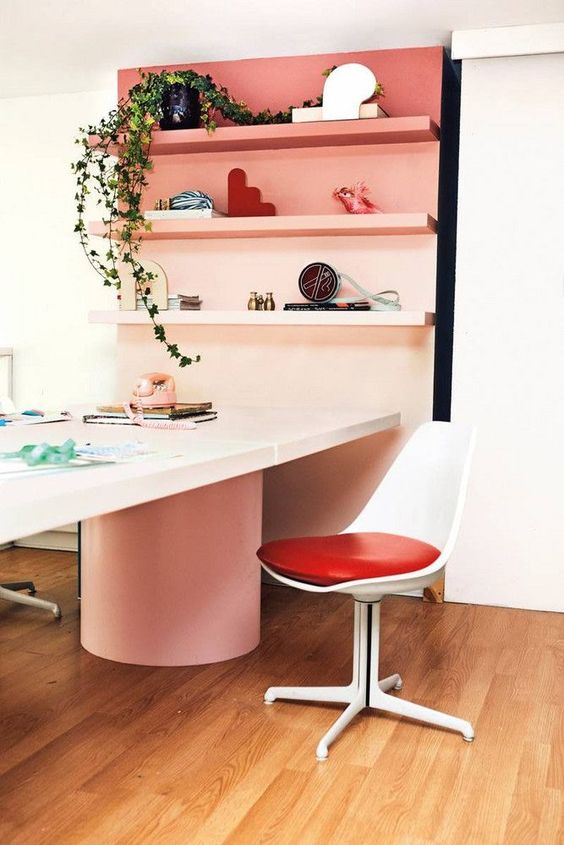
{"x": 170, "y": 575}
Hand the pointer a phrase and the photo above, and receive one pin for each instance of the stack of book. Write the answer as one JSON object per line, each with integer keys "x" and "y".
{"x": 115, "y": 414}
{"x": 176, "y": 302}
{"x": 360, "y": 305}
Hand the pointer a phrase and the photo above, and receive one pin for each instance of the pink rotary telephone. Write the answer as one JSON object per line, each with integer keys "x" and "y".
{"x": 154, "y": 390}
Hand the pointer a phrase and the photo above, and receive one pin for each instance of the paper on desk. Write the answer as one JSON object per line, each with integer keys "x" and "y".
{"x": 20, "y": 419}
{"x": 15, "y": 467}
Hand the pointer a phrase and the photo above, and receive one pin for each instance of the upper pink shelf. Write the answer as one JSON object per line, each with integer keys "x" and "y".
{"x": 292, "y": 226}
{"x": 285, "y": 136}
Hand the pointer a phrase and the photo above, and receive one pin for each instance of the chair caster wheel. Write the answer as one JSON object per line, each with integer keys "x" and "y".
{"x": 399, "y": 685}
{"x": 265, "y": 701}
{"x": 468, "y": 738}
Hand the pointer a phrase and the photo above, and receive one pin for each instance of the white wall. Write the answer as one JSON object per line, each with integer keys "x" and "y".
{"x": 509, "y": 332}
{"x": 46, "y": 285}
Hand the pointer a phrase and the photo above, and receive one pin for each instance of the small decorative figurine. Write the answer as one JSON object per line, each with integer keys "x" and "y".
{"x": 260, "y": 302}
{"x": 269, "y": 304}
{"x": 252, "y": 304}
{"x": 244, "y": 200}
{"x": 355, "y": 199}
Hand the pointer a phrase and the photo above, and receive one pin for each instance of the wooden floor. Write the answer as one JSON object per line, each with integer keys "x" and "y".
{"x": 96, "y": 752}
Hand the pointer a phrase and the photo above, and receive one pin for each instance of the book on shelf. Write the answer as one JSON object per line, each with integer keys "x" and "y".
{"x": 183, "y": 214}
{"x": 327, "y": 306}
{"x": 176, "y": 302}
{"x": 176, "y": 297}
{"x": 171, "y": 412}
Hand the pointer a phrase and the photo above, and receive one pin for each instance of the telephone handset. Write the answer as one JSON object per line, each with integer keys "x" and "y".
{"x": 154, "y": 390}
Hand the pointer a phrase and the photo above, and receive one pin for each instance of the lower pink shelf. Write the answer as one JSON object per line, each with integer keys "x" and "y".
{"x": 287, "y": 226}
{"x": 268, "y": 318}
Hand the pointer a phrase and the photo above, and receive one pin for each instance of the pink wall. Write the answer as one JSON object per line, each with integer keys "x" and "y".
{"x": 411, "y": 78}
{"x": 307, "y": 367}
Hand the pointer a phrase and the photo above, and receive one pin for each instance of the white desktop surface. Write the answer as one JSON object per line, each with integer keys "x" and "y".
{"x": 240, "y": 441}
{"x": 294, "y": 432}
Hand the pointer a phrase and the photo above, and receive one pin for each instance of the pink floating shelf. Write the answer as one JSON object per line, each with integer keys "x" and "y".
{"x": 292, "y": 226}
{"x": 343, "y": 319}
{"x": 287, "y": 136}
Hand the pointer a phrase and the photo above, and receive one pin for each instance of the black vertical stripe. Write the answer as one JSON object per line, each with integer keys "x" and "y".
{"x": 446, "y": 239}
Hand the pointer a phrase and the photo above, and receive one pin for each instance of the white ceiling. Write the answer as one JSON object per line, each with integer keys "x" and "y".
{"x": 51, "y": 46}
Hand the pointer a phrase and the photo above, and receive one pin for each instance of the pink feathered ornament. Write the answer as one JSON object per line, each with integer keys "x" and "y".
{"x": 356, "y": 200}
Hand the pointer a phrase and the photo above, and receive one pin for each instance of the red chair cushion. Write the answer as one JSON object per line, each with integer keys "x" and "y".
{"x": 326, "y": 561}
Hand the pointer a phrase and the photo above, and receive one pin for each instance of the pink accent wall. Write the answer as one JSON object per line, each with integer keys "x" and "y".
{"x": 389, "y": 369}
{"x": 411, "y": 78}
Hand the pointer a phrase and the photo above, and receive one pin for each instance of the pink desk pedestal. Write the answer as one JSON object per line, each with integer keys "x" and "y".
{"x": 176, "y": 581}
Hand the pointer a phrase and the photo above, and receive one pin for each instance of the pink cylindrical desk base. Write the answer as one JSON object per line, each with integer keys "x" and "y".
{"x": 175, "y": 582}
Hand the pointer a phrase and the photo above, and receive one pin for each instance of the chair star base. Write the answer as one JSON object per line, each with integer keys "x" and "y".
{"x": 365, "y": 691}
{"x": 10, "y": 592}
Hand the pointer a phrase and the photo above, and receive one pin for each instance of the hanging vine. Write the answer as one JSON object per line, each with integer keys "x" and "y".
{"x": 118, "y": 183}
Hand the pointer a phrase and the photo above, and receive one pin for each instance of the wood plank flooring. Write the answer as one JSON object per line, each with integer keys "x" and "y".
{"x": 100, "y": 753}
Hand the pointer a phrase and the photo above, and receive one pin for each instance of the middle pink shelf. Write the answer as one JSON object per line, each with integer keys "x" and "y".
{"x": 290, "y": 226}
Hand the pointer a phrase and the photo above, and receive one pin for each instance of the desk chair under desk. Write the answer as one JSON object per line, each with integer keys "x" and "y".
{"x": 11, "y": 591}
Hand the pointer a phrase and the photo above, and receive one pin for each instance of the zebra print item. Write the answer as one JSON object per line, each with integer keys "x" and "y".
{"x": 190, "y": 200}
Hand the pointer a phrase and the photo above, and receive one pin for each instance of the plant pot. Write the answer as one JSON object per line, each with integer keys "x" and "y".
{"x": 181, "y": 107}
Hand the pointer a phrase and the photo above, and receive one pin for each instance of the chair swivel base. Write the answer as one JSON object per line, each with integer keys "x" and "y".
{"x": 10, "y": 592}
{"x": 365, "y": 691}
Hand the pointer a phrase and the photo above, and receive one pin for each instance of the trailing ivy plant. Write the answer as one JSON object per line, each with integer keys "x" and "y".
{"x": 119, "y": 183}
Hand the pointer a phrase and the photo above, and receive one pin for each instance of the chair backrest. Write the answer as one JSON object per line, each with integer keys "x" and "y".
{"x": 422, "y": 494}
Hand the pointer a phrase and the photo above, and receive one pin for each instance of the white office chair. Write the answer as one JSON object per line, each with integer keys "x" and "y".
{"x": 400, "y": 541}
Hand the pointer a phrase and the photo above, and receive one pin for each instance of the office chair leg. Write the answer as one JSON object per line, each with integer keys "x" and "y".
{"x": 340, "y": 695}
{"x": 393, "y": 682}
{"x": 8, "y": 593}
{"x": 354, "y": 708}
{"x": 379, "y": 700}
{"x": 401, "y": 707}
{"x": 365, "y": 690}
{"x": 20, "y": 585}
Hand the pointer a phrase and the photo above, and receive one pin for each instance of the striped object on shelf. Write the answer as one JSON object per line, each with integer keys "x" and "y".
{"x": 188, "y": 200}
